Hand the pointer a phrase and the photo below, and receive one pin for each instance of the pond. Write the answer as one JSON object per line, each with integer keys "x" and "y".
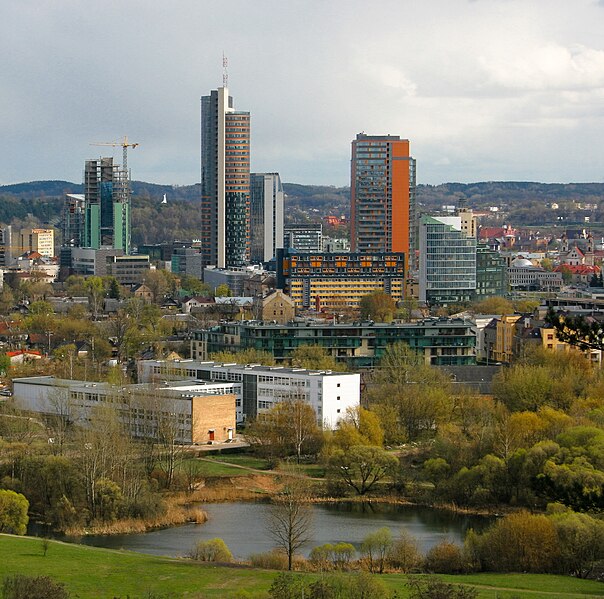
{"x": 244, "y": 527}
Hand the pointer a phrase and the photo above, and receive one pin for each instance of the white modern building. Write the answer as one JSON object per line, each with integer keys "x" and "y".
{"x": 329, "y": 393}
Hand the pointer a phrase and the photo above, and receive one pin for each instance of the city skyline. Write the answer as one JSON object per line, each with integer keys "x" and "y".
{"x": 484, "y": 89}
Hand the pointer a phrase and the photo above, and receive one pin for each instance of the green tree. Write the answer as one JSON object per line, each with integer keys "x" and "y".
{"x": 581, "y": 539}
{"x": 223, "y": 291}
{"x": 378, "y": 306}
{"x": 375, "y": 548}
{"x": 362, "y": 467}
{"x": 193, "y": 286}
{"x": 212, "y": 550}
{"x": 493, "y": 305}
{"x": 358, "y": 427}
{"x": 519, "y": 542}
{"x": 4, "y": 364}
{"x": 245, "y": 356}
{"x": 13, "y": 512}
{"x": 314, "y": 357}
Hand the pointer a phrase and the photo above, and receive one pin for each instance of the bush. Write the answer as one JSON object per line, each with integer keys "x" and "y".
{"x": 13, "y": 512}
{"x": 430, "y": 587}
{"x": 30, "y": 587}
{"x": 270, "y": 560}
{"x": 213, "y": 550}
{"x": 404, "y": 553}
{"x": 445, "y": 558}
{"x": 520, "y": 542}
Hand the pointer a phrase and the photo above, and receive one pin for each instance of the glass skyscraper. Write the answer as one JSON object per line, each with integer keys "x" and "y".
{"x": 447, "y": 261}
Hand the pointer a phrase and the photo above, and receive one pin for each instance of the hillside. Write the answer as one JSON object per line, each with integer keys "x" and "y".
{"x": 520, "y": 203}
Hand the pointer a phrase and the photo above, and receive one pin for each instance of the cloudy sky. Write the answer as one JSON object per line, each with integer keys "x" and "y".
{"x": 484, "y": 89}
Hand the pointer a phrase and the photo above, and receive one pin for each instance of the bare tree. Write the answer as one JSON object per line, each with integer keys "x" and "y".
{"x": 290, "y": 518}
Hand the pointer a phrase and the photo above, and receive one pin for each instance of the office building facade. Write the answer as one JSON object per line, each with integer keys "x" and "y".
{"x": 447, "y": 261}
{"x": 382, "y": 189}
{"x": 491, "y": 273}
{"x": 339, "y": 281}
{"x": 266, "y": 216}
{"x": 225, "y": 181}
{"x": 305, "y": 237}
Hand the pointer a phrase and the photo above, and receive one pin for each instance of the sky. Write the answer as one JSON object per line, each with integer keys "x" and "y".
{"x": 485, "y": 90}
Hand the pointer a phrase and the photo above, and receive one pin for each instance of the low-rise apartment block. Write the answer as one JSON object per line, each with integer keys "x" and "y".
{"x": 441, "y": 341}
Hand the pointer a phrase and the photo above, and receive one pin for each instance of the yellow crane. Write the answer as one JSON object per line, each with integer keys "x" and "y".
{"x": 125, "y": 145}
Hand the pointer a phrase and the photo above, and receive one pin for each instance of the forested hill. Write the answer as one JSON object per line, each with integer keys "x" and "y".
{"x": 40, "y": 202}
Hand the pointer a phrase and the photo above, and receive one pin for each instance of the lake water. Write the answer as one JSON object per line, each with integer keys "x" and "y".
{"x": 244, "y": 527}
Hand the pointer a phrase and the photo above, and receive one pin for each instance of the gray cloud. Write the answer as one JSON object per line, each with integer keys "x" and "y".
{"x": 496, "y": 89}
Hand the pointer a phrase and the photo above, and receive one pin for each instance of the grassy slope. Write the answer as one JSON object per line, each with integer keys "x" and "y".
{"x": 91, "y": 572}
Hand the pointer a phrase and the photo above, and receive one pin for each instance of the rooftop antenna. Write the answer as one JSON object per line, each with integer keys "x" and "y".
{"x": 225, "y": 73}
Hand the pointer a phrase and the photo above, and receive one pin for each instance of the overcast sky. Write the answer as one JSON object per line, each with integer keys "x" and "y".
{"x": 483, "y": 89}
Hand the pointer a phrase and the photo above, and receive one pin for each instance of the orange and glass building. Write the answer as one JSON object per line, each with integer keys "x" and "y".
{"x": 382, "y": 213}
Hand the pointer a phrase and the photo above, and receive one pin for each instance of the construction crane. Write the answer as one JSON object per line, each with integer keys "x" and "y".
{"x": 125, "y": 145}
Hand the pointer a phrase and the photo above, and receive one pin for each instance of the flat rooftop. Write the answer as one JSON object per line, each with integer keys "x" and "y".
{"x": 250, "y": 367}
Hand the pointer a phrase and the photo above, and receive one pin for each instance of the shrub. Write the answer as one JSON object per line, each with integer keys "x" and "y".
{"x": 28, "y": 587}
{"x": 430, "y": 587}
{"x": 404, "y": 553}
{"x": 445, "y": 558}
{"x": 520, "y": 542}
{"x": 213, "y": 550}
{"x": 342, "y": 555}
{"x": 270, "y": 560}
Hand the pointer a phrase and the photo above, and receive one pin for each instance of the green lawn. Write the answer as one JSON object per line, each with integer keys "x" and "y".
{"x": 91, "y": 572}
{"x": 214, "y": 468}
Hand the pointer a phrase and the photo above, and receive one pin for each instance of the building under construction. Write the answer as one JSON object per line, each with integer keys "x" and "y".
{"x": 107, "y": 206}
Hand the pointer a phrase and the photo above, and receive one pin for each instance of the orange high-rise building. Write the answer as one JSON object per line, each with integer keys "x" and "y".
{"x": 382, "y": 190}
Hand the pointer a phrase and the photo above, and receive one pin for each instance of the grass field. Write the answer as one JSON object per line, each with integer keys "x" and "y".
{"x": 90, "y": 572}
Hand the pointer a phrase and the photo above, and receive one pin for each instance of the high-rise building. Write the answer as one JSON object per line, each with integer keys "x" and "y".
{"x": 37, "y": 240}
{"x": 266, "y": 216}
{"x": 382, "y": 211}
{"x": 447, "y": 261}
{"x": 6, "y": 246}
{"x": 73, "y": 220}
{"x": 107, "y": 206}
{"x": 225, "y": 181}
{"x": 303, "y": 237}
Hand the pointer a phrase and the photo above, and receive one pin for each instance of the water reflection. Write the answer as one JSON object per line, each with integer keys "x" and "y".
{"x": 244, "y": 528}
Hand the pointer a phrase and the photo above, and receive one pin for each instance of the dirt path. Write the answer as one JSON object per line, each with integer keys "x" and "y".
{"x": 263, "y": 472}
